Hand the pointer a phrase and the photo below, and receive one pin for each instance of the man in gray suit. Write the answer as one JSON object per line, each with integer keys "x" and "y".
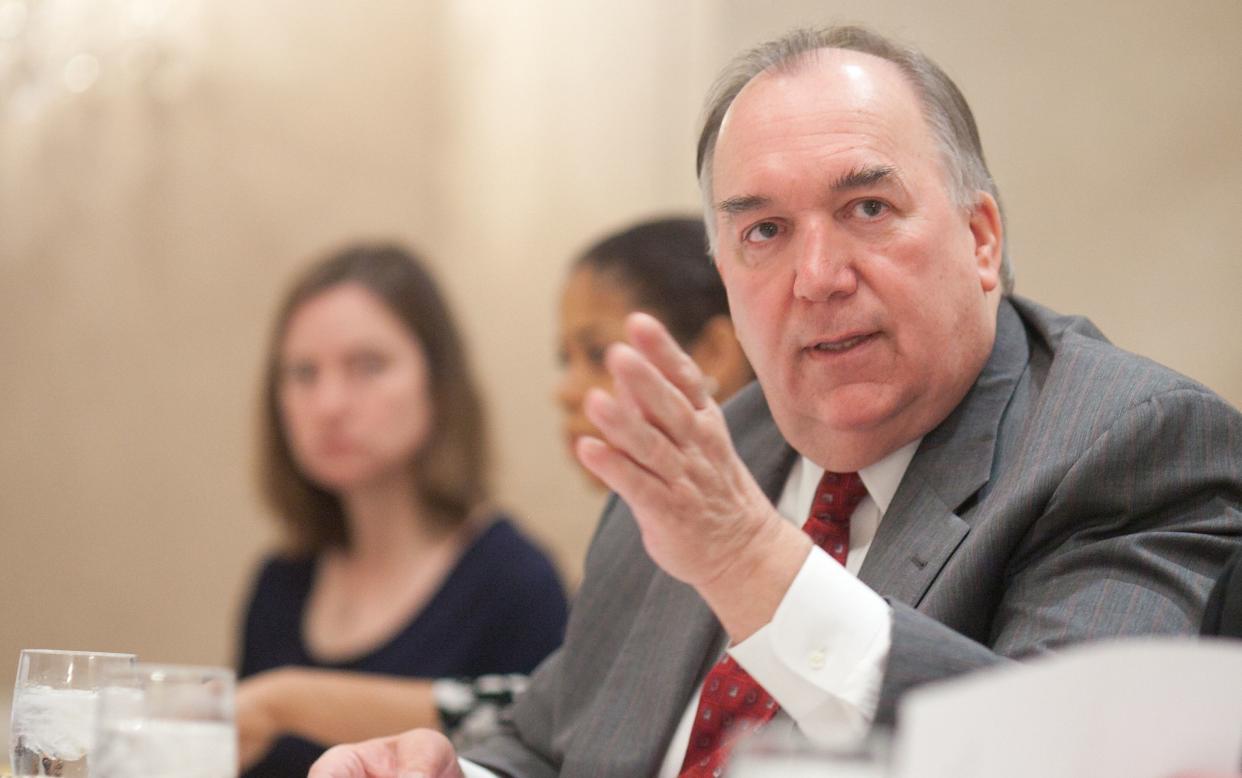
{"x": 1027, "y": 485}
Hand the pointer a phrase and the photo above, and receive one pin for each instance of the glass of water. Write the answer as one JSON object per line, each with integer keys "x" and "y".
{"x": 53, "y": 725}
{"x": 166, "y": 721}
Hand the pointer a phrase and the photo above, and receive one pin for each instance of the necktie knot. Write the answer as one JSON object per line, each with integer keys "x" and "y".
{"x": 828, "y": 525}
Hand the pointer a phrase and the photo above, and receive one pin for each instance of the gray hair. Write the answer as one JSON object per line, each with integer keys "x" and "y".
{"x": 945, "y": 109}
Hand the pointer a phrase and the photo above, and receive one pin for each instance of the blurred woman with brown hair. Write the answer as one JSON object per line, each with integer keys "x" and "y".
{"x": 374, "y": 457}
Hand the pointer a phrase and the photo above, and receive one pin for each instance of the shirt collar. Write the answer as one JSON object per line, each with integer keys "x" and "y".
{"x": 881, "y": 478}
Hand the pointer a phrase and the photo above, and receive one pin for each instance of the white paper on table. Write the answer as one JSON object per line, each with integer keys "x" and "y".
{"x": 1133, "y": 708}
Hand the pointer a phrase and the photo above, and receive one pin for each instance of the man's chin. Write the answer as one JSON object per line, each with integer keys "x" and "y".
{"x": 827, "y": 430}
{"x": 854, "y": 409}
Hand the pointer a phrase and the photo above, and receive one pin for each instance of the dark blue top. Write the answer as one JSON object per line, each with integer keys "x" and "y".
{"x": 502, "y": 609}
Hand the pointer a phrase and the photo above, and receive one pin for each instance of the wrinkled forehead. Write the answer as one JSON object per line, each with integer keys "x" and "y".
{"x": 823, "y": 92}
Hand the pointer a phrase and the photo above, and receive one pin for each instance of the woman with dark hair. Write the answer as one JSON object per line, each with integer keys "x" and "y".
{"x": 660, "y": 267}
{"x": 374, "y": 457}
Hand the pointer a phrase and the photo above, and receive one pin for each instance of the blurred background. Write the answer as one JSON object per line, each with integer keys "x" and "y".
{"x": 166, "y": 165}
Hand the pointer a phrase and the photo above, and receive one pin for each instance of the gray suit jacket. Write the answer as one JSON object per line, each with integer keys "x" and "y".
{"x": 1077, "y": 492}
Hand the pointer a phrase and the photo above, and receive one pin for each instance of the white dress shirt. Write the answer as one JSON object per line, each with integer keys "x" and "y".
{"x": 822, "y": 655}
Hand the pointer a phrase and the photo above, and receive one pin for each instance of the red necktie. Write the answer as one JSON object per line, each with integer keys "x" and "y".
{"x": 732, "y": 703}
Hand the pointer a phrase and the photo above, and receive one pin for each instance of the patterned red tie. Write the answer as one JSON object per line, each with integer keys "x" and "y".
{"x": 733, "y": 704}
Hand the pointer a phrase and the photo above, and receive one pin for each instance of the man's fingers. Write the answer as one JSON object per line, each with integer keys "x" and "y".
{"x": 654, "y": 342}
{"x": 426, "y": 753}
{"x": 419, "y": 752}
{"x": 362, "y": 760}
{"x": 626, "y": 429}
{"x": 634, "y": 483}
{"x": 639, "y": 384}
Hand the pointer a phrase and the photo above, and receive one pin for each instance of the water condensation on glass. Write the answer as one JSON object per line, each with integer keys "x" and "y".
{"x": 54, "y": 719}
{"x": 52, "y": 730}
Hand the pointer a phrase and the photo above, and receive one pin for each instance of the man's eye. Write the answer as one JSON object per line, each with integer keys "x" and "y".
{"x": 870, "y": 208}
{"x": 763, "y": 232}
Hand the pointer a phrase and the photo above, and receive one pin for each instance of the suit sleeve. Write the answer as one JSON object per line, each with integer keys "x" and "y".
{"x": 542, "y": 721}
{"x": 1223, "y": 616}
{"x": 1129, "y": 542}
{"x": 527, "y": 754}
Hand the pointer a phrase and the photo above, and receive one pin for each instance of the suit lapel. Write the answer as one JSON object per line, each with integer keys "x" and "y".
{"x": 922, "y": 528}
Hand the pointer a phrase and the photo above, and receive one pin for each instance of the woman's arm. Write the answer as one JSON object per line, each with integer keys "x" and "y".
{"x": 328, "y": 707}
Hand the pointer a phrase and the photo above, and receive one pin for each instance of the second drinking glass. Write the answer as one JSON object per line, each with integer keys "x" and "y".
{"x": 170, "y": 721}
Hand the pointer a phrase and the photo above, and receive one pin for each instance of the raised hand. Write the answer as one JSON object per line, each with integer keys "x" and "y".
{"x": 667, "y": 452}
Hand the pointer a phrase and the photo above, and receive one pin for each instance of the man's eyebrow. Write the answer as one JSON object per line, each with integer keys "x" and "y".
{"x": 742, "y": 204}
{"x": 860, "y": 178}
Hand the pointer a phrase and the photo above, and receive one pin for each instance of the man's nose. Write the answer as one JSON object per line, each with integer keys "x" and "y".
{"x": 824, "y": 267}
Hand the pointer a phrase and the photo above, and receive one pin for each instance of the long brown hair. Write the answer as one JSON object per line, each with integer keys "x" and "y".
{"x": 450, "y": 470}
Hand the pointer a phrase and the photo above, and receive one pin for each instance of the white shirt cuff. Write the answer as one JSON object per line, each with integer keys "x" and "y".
{"x": 472, "y": 770}
{"x": 822, "y": 656}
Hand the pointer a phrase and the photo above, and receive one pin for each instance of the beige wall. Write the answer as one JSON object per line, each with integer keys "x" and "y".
{"x": 144, "y": 239}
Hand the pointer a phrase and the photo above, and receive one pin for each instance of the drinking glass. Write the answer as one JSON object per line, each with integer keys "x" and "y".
{"x": 166, "y": 721}
{"x": 53, "y": 724}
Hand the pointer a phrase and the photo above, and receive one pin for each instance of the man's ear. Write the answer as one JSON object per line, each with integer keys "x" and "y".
{"x": 989, "y": 235}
